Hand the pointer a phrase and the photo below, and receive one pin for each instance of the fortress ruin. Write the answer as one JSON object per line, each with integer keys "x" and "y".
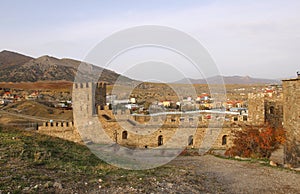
{"x": 149, "y": 131}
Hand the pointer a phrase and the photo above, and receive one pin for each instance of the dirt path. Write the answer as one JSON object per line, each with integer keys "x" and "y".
{"x": 241, "y": 176}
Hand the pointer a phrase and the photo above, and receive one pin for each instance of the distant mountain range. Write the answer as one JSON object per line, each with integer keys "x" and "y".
{"x": 230, "y": 80}
{"x": 15, "y": 67}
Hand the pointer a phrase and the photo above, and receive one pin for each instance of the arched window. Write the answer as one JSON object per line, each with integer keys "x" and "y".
{"x": 191, "y": 140}
{"x": 224, "y": 140}
{"x": 124, "y": 135}
{"x": 160, "y": 140}
{"x": 272, "y": 110}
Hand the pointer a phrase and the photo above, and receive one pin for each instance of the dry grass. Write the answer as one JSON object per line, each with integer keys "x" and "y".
{"x": 41, "y": 85}
{"x": 31, "y": 162}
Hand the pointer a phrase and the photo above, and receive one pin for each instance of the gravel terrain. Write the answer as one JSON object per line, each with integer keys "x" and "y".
{"x": 241, "y": 176}
{"x": 210, "y": 174}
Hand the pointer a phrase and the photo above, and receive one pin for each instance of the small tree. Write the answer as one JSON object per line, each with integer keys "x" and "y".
{"x": 256, "y": 142}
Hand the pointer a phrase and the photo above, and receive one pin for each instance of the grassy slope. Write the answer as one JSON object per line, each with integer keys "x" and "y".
{"x": 33, "y": 108}
{"x": 32, "y": 162}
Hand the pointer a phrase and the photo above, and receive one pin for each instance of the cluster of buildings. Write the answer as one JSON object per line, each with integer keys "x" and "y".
{"x": 8, "y": 96}
{"x": 202, "y": 102}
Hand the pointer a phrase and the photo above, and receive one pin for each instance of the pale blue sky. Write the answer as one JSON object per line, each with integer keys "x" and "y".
{"x": 256, "y": 38}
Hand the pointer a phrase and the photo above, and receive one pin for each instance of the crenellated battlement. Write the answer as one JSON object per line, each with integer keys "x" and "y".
{"x": 82, "y": 85}
{"x": 64, "y": 124}
{"x": 64, "y": 130}
{"x": 100, "y": 85}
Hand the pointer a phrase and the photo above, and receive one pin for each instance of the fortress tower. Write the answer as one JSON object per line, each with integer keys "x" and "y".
{"x": 100, "y": 95}
{"x": 291, "y": 120}
{"x": 87, "y": 97}
{"x": 256, "y": 109}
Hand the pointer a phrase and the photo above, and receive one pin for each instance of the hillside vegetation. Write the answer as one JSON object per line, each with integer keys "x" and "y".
{"x": 35, "y": 163}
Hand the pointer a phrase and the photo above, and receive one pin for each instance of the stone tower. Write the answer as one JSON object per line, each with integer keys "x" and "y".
{"x": 83, "y": 101}
{"x": 100, "y": 95}
{"x": 256, "y": 109}
{"x": 87, "y": 97}
{"x": 291, "y": 120}
{"x": 274, "y": 111}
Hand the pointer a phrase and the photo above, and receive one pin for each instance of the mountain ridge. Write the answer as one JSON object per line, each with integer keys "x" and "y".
{"x": 229, "y": 80}
{"x": 10, "y": 59}
{"x": 15, "y": 67}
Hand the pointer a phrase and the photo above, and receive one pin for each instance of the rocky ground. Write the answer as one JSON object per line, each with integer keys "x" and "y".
{"x": 211, "y": 174}
{"x": 34, "y": 163}
{"x": 234, "y": 176}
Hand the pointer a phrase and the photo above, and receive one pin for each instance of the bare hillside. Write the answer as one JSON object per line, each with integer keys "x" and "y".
{"x": 19, "y": 68}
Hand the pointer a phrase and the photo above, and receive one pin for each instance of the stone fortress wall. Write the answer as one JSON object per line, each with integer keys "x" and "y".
{"x": 139, "y": 131}
{"x": 129, "y": 130}
{"x": 263, "y": 109}
{"x": 291, "y": 120}
{"x": 64, "y": 130}
{"x": 89, "y": 107}
{"x": 256, "y": 110}
{"x": 274, "y": 111}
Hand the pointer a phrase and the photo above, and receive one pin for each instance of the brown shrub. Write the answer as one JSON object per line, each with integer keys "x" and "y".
{"x": 256, "y": 142}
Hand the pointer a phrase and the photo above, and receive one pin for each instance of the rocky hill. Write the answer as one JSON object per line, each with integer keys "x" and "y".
{"x": 10, "y": 60}
{"x": 231, "y": 80}
{"x": 16, "y": 67}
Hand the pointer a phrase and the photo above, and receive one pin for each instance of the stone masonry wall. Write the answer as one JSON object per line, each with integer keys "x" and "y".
{"x": 64, "y": 130}
{"x": 256, "y": 109}
{"x": 274, "y": 112}
{"x": 140, "y": 134}
{"x": 291, "y": 120}
{"x": 192, "y": 128}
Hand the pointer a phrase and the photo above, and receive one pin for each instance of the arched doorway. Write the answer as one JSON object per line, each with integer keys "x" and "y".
{"x": 124, "y": 135}
{"x": 224, "y": 140}
{"x": 272, "y": 110}
{"x": 191, "y": 140}
{"x": 160, "y": 140}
